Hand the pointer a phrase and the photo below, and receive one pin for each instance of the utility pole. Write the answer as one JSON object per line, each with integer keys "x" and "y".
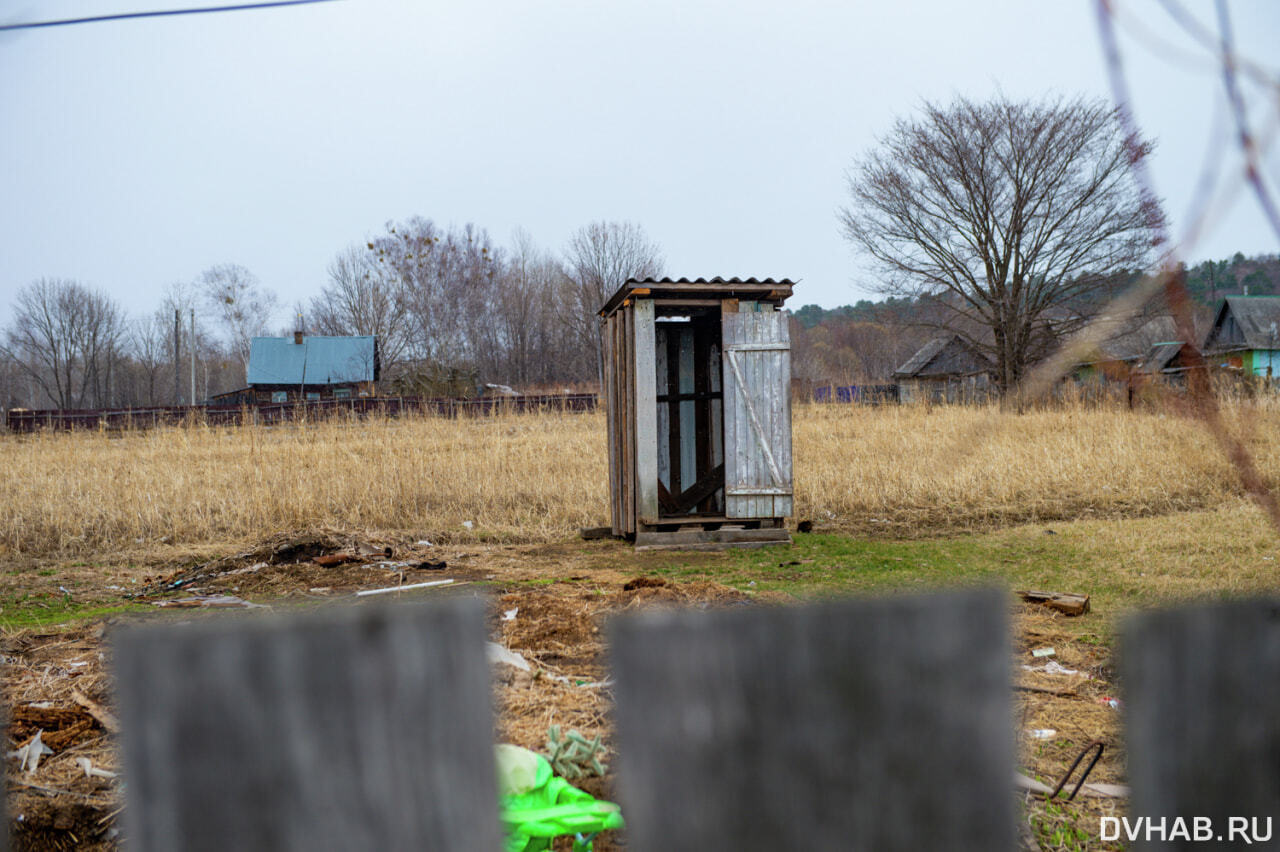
{"x": 193, "y": 356}
{"x": 177, "y": 355}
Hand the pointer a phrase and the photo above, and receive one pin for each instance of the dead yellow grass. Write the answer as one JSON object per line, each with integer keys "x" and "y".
{"x": 529, "y": 478}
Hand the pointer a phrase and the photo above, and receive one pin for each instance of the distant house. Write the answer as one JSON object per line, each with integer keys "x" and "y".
{"x": 1171, "y": 362}
{"x": 1127, "y": 350}
{"x": 1245, "y": 336}
{"x": 946, "y": 369}
{"x": 285, "y": 369}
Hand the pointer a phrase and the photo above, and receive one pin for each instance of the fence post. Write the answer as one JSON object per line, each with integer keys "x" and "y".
{"x": 880, "y": 725}
{"x": 1202, "y": 699}
{"x": 361, "y": 728}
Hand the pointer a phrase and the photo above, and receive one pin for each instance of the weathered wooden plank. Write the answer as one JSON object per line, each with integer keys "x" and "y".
{"x": 710, "y": 536}
{"x": 1202, "y": 691}
{"x": 611, "y": 418}
{"x": 646, "y": 410}
{"x": 757, "y": 384}
{"x": 861, "y": 725}
{"x": 1068, "y": 603}
{"x": 364, "y": 728}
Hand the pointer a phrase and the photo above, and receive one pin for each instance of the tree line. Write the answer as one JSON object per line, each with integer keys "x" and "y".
{"x": 451, "y": 308}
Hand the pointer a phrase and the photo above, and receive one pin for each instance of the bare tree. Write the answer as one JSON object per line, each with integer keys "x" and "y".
{"x": 1015, "y": 216}
{"x": 67, "y": 339}
{"x": 599, "y": 259}
{"x": 238, "y": 303}
{"x": 360, "y": 299}
{"x": 446, "y": 279}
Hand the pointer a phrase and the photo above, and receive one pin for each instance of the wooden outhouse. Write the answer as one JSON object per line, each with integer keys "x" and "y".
{"x": 697, "y": 386}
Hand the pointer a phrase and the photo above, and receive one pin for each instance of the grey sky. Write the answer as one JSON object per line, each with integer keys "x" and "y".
{"x": 142, "y": 152}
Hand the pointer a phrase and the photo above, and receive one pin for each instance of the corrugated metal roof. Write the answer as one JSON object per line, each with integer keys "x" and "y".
{"x": 315, "y": 361}
{"x": 760, "y": 289}
{"x": 731, "y": 282}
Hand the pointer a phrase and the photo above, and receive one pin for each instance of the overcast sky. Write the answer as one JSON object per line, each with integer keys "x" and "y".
{"x": 141, "y": 152}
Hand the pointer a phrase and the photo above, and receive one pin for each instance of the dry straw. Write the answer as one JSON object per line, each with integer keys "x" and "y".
{"x": 539, "y": 477}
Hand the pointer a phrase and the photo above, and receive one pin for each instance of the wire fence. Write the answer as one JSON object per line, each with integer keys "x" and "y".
{"x": 116, "y": 419}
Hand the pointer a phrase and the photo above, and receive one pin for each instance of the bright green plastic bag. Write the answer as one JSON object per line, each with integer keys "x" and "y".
{"x": 537, "y": 806}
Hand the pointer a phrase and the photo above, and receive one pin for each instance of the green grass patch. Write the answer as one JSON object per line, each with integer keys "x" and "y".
{"x": 34, "y": 613}
{"x": 1123, "y": 565}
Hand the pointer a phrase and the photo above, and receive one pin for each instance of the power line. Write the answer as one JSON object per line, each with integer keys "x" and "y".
{"x": 157, "y": 14}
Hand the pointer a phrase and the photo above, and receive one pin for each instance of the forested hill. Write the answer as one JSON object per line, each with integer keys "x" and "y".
{"x": 866, "y": 341}
{"x": 1207, "y": 282}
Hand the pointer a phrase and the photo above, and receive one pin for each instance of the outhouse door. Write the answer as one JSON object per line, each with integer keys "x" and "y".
{"x": 757, "y": 413}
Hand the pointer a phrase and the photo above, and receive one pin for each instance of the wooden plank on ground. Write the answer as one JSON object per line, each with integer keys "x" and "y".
{"x": 1068, "y": 603}
{"x": 860, "y": 725}
{"x": 362, "y": 728}
{"x": 1202, "y": 692}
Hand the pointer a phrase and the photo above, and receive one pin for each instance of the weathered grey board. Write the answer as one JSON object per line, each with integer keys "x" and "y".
{"x": 860, "y": 725}
{"x": 1202, "y": 691}
{"x": 757, "y": 405}
{"x": 367, "y": 728}
{"x": 646, "y": 411}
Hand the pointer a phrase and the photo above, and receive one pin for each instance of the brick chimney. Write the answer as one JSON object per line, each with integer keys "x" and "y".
{"x": 297, "y": 337}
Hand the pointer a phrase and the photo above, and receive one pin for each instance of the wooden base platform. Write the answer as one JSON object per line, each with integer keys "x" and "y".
{"x": 714, "y": 536}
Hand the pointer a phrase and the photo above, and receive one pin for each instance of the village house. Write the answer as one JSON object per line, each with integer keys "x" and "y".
{"x": 1244, "y": 336}
{"x": 308, "y": 367}
{"x": 946, "y": 369}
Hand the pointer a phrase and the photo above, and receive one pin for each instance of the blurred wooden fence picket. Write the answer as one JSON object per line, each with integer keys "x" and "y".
{"x": 355, "y": 729}
{"x": 1202, "y": 687}
{"x": 858, "y": 725}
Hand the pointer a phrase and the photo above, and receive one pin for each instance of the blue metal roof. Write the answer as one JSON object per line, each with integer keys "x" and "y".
{"x": 315, "y": 361}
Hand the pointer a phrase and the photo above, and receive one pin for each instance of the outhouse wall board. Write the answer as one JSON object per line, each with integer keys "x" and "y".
{"x": 757, "y": 422}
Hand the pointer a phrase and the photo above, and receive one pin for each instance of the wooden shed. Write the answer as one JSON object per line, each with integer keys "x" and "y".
{"x": 697, "y": 387}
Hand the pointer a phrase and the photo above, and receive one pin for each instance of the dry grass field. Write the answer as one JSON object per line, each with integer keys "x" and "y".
{"x": 1143, "y": 508}
{"x": 899, "y": 471}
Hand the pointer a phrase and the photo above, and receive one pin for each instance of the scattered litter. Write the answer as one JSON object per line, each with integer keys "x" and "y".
{"x": 1108, "y": 701}
{"x": 77, "y": 664}
{"x": 424, "y": 543}
{"x": 390, "y": 589}
{"x": 1042, "y": 733}
{"x": 505, "y": 656}
{"x": 1042, "y": 652}
{"x": 510, "y": 614}
{"x": 428, "y": 565}
{"x": 1053, "y": 667}
{"x": 320, "y": 589}
{"x": 1092, "y": 789}
{"x": 573, "y": 756}
{"x": 251, "y": 569}
{"x": 65, "y": 590}
{"x": 116, "y": 588}
{"x": 468, "y": 524}
{"x": 596, "y": 684}
{"x": 203, "y": 601}
{"x": 1068, "y": 603}
{"x": 29, "y": 755}
{"x": 41, "y": 705}
{"x": 90, "y": 771}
